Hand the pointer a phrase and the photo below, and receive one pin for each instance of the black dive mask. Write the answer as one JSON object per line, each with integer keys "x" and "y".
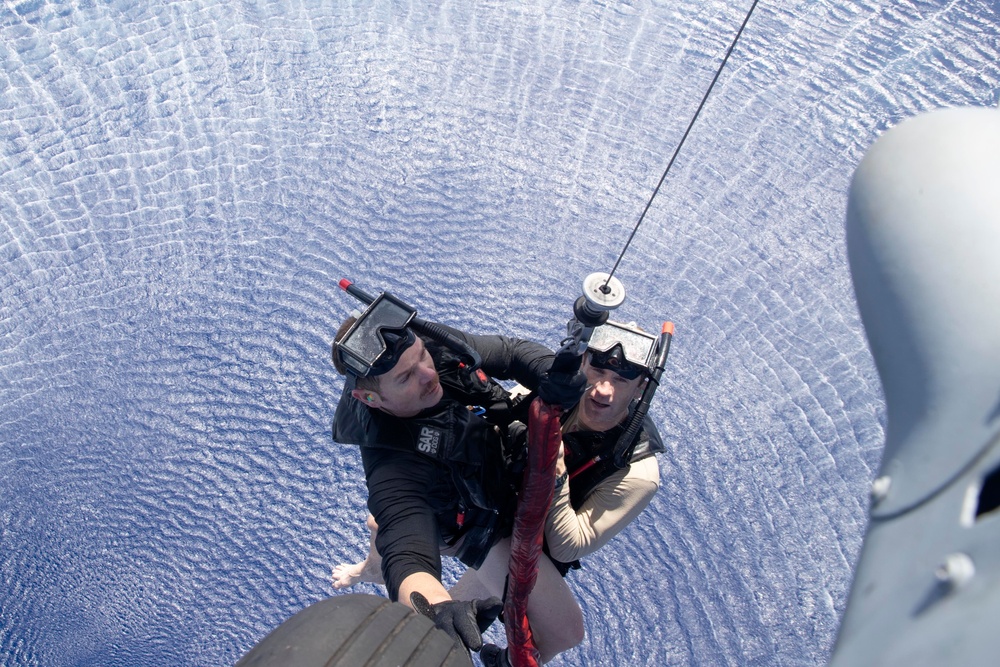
{"x": 621, "y": 349}
{"x": 379, "y": 337}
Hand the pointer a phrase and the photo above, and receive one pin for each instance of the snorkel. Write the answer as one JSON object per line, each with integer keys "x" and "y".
{"x": 468, "y": 355}
{"x": 626, "y": 443}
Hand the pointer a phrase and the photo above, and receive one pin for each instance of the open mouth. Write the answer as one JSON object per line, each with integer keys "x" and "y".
{"x": 596, "y": 405}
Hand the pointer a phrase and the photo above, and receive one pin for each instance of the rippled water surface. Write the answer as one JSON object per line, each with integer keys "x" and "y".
{"x": 182, "y": 184}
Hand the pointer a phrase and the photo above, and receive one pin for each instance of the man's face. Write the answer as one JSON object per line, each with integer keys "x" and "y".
{"x": 605, "y": 403}
{"x": 411, "y": 386}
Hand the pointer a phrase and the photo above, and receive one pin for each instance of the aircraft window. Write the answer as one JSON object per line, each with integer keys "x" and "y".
{"x": 989, "y": 494}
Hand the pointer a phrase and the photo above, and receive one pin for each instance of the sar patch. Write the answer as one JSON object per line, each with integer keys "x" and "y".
{"x": 429, "y": 441}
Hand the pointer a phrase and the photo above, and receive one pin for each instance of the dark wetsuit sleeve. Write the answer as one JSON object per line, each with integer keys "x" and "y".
{"x": 407, "y": 536}
{"x": 506, "y": 358}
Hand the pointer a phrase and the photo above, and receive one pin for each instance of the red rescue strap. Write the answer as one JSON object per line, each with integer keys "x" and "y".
{"x": 544, "y": 438}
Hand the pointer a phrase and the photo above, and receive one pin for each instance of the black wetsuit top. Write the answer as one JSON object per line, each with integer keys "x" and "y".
{"x": 444, "y": 474}
{"x": 581, "y": 447}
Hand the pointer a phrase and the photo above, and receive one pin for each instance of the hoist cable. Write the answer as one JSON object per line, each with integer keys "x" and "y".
{"x": 677, "y": 150}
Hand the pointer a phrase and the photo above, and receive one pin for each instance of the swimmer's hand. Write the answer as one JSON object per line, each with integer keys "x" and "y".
{"x": 463, "y": 620}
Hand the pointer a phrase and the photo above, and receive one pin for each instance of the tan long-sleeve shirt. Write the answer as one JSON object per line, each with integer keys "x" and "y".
{"x": 572, "y": 534}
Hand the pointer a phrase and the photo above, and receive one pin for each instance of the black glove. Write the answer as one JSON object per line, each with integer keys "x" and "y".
{"x": 464, "y": 621}
{"x": 563, "y": 389}
{"x": 494, "y": 656}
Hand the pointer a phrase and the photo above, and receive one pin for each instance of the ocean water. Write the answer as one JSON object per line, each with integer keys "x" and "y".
{"x": 182, "y": 184}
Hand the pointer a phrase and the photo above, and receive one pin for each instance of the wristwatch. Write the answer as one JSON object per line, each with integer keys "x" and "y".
{"x": 561, "y": 479}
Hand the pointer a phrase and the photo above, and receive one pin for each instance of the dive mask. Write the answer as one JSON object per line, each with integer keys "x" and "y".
{"x": 378, "y": 338}
{"x": 622, "y": 349}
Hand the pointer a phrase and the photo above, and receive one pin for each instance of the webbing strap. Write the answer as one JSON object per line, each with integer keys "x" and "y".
{"x": 544, "y": 437}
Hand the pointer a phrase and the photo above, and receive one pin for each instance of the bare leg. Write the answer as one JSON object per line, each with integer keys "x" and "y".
{"x": 556, "y": 618}
{"x": 469, "y": 587}
{"x": 369, "y": 570}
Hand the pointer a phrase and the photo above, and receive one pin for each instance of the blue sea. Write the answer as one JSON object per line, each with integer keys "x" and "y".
{"x": 183, "y": 184}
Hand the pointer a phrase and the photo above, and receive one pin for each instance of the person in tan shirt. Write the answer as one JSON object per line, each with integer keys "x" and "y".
{"x": 598, "y": 503}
